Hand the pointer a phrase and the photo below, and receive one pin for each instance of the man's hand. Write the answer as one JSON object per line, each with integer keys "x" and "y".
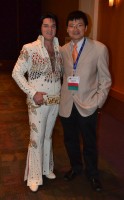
{"x": 38, "y": 98}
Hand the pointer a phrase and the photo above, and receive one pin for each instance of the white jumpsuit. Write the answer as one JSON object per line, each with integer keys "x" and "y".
{"x": 35, "y": 61}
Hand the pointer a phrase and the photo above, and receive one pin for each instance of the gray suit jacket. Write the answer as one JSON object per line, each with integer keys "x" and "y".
{"x": 95, "y": 79}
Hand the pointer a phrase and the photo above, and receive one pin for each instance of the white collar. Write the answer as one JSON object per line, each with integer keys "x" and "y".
{"x": 78, "y": 44}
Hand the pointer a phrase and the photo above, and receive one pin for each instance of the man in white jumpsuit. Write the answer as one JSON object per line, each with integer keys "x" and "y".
{"x": 41, "y": 61}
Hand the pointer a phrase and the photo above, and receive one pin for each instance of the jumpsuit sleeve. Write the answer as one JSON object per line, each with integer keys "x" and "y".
{"x": 22, "y": 67}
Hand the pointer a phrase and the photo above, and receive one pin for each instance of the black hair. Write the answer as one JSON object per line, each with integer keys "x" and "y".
{"x": 51, "y": 16}
{"x": 77, "y": 15}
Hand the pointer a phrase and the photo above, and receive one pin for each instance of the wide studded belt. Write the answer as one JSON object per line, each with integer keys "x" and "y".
{"x": 48, "y": 100}
{"x": 51, "y": 99}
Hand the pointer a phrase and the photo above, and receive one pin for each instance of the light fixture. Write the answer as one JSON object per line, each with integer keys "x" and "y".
{"x": 111, "y": 3}
{"x": 114, "y": 3}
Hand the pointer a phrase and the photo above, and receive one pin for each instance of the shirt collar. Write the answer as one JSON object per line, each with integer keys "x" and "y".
{"x": 78, "y": 44}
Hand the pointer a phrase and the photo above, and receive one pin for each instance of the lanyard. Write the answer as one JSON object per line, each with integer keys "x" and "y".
{"x": 81, "y": 49}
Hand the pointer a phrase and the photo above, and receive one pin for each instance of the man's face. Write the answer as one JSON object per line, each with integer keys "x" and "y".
{"x": 76, "y": 29}
{"x": 48, "y": 29}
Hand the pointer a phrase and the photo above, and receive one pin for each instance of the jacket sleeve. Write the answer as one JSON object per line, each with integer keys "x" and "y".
{"x": 21, "y": 67}
{"x": 104, "y": 76}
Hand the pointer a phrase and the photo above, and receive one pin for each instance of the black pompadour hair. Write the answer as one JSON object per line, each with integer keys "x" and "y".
{"x": 51, "y": 16}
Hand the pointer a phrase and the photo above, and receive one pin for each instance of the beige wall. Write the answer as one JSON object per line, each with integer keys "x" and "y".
{"x": 91, "y": 8}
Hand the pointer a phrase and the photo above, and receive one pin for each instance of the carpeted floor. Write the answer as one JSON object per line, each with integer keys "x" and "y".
{"x": 14, "y": 137}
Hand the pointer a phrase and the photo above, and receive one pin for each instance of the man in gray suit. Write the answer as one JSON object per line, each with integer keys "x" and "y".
{"x": 86, "y": 83}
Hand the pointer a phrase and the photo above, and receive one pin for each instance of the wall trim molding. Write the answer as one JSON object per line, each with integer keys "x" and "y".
{"x": 117, "y": 94}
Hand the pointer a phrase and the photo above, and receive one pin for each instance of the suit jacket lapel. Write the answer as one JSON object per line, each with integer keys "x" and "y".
{"x": 87, "y": 47}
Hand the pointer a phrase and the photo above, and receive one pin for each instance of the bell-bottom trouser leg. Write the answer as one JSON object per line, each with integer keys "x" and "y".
{"x": 40, "y": 154}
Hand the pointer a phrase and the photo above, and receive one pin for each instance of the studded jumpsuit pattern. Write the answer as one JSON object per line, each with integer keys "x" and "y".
{"x": 35, "y": 61}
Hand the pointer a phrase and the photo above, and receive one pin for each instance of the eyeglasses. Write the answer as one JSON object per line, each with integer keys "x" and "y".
{"x": 77, "y": 26}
